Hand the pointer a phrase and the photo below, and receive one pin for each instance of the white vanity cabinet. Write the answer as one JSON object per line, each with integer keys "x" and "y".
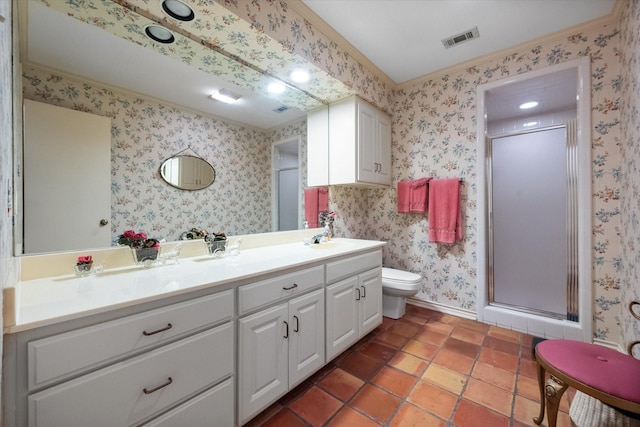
{"x": 359, "y": 144}
{"x": 174, "y": 361}
{"x": 354, "y": 300}
{"x": 279, "y": 346}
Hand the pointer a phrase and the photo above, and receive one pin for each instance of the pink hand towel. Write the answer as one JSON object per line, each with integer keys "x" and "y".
{"x": 404, "y": 196}
{"x": 419, "y": 191}
{"x": 445, "y": 216}
{"x": 311, "y": 207}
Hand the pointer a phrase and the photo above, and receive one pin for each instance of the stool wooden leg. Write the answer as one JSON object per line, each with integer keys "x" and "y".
{"x": 553, "y": 392}
{"x": 540, "y": 417}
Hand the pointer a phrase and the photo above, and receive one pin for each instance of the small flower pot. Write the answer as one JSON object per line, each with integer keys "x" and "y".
{"x": 145, "y": 257}
{"x": 83, "y": 270}
{"x": 216, "y": 247}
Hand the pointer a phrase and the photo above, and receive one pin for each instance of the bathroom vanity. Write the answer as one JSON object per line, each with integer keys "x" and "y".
{"x": 202, "y": 342}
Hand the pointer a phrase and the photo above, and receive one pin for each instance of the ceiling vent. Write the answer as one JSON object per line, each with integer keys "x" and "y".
{"x": 461, "y": 38}
{"x": 281, "y": 109}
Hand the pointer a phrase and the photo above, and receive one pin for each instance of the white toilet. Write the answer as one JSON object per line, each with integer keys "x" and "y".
{"x": 397, "y": 285}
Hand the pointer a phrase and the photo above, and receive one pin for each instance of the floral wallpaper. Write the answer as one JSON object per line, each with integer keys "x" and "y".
{"x": 630, "y": 182}
{"x": 145, "y": 133}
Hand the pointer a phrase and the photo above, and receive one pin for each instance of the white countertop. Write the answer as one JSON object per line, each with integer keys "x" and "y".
{"x": 51, "y": 300}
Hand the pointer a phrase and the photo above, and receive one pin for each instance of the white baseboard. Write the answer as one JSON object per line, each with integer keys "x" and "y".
{"x": 610, "y": 344}
{"x": 442, "y": 308}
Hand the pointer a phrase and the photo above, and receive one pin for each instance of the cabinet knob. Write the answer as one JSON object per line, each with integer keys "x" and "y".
{"x": 104, "y": 222}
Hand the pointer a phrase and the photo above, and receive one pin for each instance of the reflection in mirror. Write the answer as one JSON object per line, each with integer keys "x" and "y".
{"x": 187, "y": 172}
{"x": 150, "y": 123}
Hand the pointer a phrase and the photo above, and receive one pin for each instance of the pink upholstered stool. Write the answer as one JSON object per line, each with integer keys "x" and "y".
{"x": 605, "y": 374}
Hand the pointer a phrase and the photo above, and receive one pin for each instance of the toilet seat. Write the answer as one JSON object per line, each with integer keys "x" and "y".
{"x": 399, "y": 279}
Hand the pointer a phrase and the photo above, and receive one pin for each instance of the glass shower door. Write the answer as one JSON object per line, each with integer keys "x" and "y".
{"x": 529, "y": 227}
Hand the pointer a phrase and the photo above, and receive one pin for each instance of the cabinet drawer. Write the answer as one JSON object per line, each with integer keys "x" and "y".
{"x": 131, "y": 391}
{"x": 342, "y": 269}
{"x": 271, "y": 290}
{"x": 56, "y": 357}
{"x": 214, "y": 407}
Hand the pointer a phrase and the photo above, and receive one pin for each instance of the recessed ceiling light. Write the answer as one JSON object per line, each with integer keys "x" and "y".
{"x": 178, "y": 10}
{"x": 159, "y": 34}
{"x": 528, "y": 105}
{"x": 530, "y": 124}
{"x": 276, "y": 87}
{"x": 299, "y": 76}
{"x": 225, "y": 96}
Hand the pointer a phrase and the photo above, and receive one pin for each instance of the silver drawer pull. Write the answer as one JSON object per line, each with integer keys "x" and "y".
{"x": 295, "y": 285}
{"x": 364, "y": 292}
{"x": 166, "y": 328}
{"x": 169, "y": 381}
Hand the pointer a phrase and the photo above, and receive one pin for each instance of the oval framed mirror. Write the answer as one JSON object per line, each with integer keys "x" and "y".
{"x": 187, "y": 172}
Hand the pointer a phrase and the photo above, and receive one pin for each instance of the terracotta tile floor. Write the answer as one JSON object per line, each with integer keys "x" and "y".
{"x": 426, "y": 369}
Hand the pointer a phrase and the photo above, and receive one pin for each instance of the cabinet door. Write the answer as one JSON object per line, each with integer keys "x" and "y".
{"x": 367, "y": 143}
{"x": 262, "y": 364}
{"x": 342, "y": 316}
{"x": 306, "y": 336}
{"x": 318, "y": 147}
{"x": 384, "y": 149}
{"x": 370, "y": 313}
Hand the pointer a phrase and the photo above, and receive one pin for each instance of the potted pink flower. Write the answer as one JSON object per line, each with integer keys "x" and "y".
{"x": 84, "y": 263}
{"x": 145, "y": 249}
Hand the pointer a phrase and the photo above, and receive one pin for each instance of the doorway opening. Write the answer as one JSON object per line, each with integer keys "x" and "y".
{"x": 286, "y": 185}
{"x": 534, "y": 203}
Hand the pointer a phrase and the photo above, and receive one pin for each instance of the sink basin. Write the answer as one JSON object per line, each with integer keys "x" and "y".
{"x": 330, "y": 245}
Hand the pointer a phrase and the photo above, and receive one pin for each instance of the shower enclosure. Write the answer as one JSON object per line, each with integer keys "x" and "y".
{"x": 534, "y": 203}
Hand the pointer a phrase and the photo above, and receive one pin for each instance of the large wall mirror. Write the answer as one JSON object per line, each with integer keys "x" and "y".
{"x": 159, "y": 104}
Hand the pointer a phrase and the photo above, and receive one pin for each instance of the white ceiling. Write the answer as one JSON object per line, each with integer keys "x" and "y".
{"x": 403, "y": 37}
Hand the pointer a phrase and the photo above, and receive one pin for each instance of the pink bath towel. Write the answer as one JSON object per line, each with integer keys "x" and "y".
{"x": 445, "y": 216}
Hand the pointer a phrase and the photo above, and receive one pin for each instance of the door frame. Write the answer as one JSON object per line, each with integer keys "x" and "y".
{"x": 274, "y": 180}
{"x": 526, "y": 322}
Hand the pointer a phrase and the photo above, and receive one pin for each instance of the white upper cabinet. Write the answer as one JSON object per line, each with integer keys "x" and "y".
{"x": 357, "y": 145}
{"x": 318, "y": 147}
